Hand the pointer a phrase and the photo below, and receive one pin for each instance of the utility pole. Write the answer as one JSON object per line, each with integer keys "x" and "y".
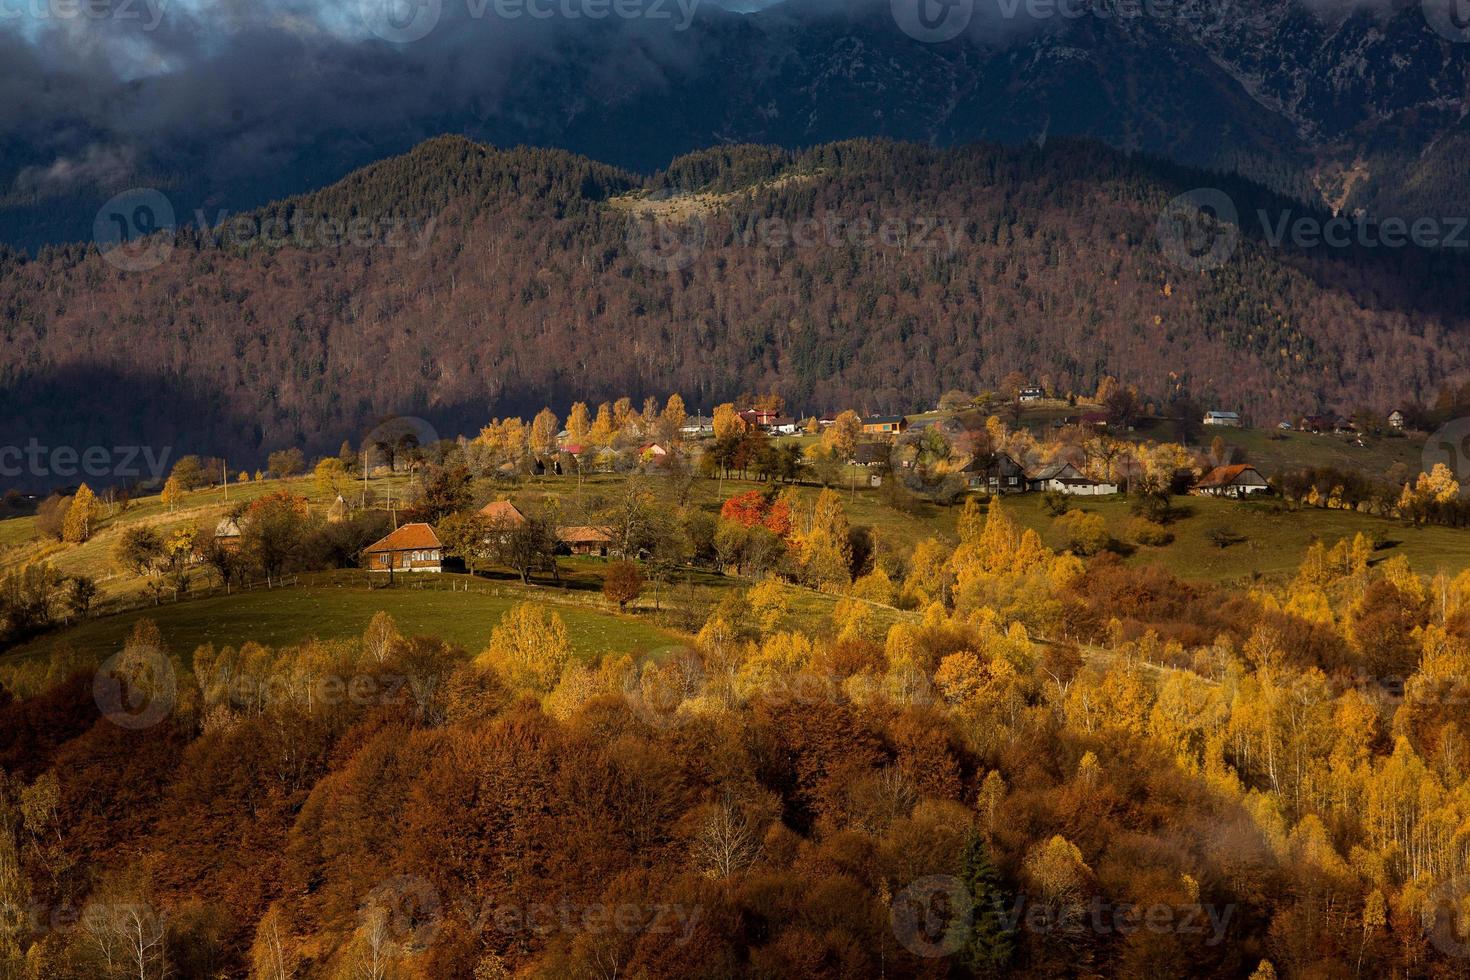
{"x": 224, "y": 475}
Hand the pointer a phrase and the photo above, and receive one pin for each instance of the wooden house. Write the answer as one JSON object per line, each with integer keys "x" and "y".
{"x": 411, "y": 548}
{"x": 1063, "y": 477}
{"x": 502, "y": 512}
{"x": 584, "y": 540}
{"x": 884, "y": 425}
{"x": 227, "y": 534}
{"x": 996, "y": 473}
{"x": 1240, "y": 480}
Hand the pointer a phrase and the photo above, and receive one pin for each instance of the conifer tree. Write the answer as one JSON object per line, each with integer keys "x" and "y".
{"x": 989, "y": 945}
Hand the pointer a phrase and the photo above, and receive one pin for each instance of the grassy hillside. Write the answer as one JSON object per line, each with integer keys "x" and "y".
{"x": 341, "y": 606}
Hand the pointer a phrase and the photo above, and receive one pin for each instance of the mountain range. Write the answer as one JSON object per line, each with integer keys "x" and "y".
{"x": 1355, "y": 107}
{"x": 461, "y": 282}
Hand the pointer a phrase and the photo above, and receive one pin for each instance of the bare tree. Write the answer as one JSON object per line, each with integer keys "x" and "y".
{"x": 726, "y": 843}
{"x": 127, "y": 935}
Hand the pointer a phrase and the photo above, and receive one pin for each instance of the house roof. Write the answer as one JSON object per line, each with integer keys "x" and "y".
{"x": 227, "y": 528}
{"x": 1062, "y": 470}
{"x": 1225, "y": 476}
{"x": 869, "y": 452}
{"x": 883, "y": 420}
{"x": 981, "y": 463}
{"x": 583, "y": 534}
{"x": 503, "y": 510}
{"x": 1222, "y": 415}
{"x": 409, "y": 537}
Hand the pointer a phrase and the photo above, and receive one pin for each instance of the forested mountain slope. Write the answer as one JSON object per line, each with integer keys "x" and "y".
{"x": 487, "y": 282}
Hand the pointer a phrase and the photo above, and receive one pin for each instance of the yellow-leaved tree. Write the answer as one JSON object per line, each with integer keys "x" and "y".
{"x": 727, "y": 421}
{"x": 76, "y": 527}
{"x": 543, "y": 432}
{"x": 826, "y": 548}
{"x": 173, "y": 492}
{"x": 579, "y": 423}
{"x": 529, "y": 648}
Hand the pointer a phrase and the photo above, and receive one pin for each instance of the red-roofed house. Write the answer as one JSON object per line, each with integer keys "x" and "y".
{"x": 581, "y": 540}
{"x": 411, "y": 548}
{"x": 502, "y": 510}
{"x": 1240, "y": 480}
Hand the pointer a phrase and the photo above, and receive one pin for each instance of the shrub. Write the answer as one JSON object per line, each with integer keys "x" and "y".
{"x": 1087, "y": 534}
{"x": 1150, "y": 534}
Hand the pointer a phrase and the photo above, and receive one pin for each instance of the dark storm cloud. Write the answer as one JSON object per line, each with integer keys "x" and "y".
{"x": 233, "y": 89}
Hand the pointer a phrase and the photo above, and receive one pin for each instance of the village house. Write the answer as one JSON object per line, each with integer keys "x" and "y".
{"x": 502, "y": 511}
{"x": 1229, "y": 420}
{"x": 1396, "y": 420}
{"x": 1239, "y": 480}
{"x": 995, "y": 474}
{"x": 1065, "y": 478}
{"x": 227, "y": 534}
{"x": 870, "y": 454}
{"x": 584, "y": 540}
{"x": 1032, "y": 393}
{"x": 697, "y": 427}
{"x": 884, "y": 425}
{"x": 758, "y": 418}
{"x": 411, "y": 548}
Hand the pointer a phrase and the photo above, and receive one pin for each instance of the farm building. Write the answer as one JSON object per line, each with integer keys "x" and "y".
{"x": 1240, "y": 480}
{"x": 411, "y": 548}
{"x": 1066, "y": 478}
